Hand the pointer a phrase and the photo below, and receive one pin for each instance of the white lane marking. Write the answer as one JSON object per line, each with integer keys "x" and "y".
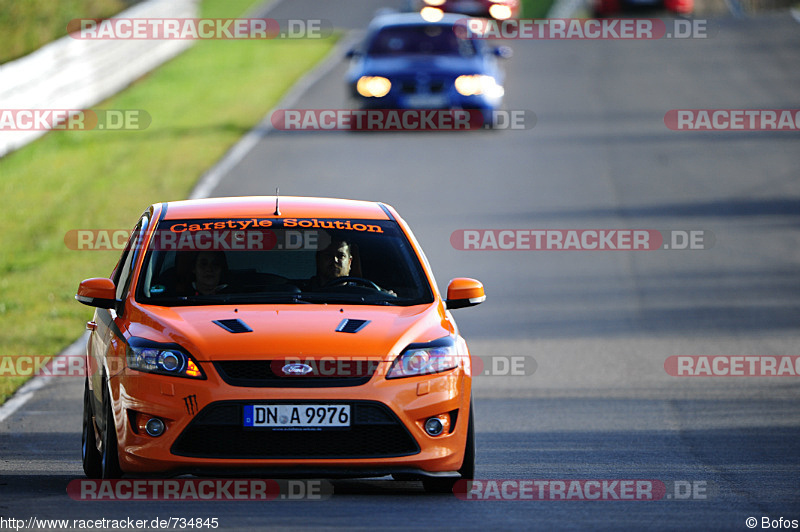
{"x": 37, "y": 383}
{"x": 21, "y": 396}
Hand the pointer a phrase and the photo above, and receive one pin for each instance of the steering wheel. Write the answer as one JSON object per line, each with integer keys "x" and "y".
{"x": 355, "y": 280}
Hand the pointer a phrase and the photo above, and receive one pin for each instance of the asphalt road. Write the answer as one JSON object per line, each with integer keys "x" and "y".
{"x": 598, "y": 324}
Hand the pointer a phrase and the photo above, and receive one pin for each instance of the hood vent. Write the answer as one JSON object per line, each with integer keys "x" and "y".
{"x": 234, "y": 326}
{"x": 351, "y": 326}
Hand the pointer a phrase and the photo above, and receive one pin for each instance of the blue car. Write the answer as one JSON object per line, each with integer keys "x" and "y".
{"x": 408, "y": 62}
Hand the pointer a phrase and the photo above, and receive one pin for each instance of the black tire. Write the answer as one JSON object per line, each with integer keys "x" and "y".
{"x": 109, "y": 456}
{"x": 467, "y": 469}
{"x": 90, "y": 456}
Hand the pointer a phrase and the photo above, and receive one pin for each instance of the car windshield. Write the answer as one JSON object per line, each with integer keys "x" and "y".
{"x": 294, "y": 261}
{"x": 419, "y": 39}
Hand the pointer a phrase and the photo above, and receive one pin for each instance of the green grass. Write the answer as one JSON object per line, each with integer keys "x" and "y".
{"x": 200, "y": 103}
{"x": 28, "y": 24}
{"x": 535, "y": 8}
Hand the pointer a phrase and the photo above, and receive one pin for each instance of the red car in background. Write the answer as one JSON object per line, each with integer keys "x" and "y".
{"x": 496, "y": 9}
{"x": 605, "y": 8}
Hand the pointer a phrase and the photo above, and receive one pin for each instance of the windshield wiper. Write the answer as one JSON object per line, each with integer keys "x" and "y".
{"x": 306, "y": 298}
{"x": 185, "y": 300}
{"x": 228, "y": 299}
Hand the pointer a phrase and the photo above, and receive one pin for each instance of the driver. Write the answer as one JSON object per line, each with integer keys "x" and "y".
{"x": 332, "y": 262}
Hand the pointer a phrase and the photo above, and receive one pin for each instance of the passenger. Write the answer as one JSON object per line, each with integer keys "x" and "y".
{"x": 207, "y": 274}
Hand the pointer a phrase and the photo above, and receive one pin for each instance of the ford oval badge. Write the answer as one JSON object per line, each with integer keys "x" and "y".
{"x": 296, "y": 369}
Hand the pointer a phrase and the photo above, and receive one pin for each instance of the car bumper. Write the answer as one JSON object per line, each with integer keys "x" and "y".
{"x": 429, "y": 102}
{"x": 205, "y": 434}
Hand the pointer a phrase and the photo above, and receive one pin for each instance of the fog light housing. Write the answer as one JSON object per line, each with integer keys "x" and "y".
{"x": 154, "y": 427}
{"x": 434, "y": 426}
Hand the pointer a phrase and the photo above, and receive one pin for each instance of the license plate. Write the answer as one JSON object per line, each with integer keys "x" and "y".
{"x": 426, "y": 101}
{"x": 297, "y": 416}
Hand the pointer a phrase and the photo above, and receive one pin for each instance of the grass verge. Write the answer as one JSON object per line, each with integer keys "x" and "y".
{"x": 201, "y": 103}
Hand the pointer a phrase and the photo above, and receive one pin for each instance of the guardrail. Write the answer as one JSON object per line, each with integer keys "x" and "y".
{"x": 76, "y": 74}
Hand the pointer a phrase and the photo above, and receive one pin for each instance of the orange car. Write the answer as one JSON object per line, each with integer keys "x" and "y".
{"x": 277, "y": 336}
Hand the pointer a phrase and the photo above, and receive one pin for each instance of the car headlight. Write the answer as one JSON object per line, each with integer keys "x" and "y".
{"x": 425, "y": 359}
{"x": 472, "y": 85}
{"x": 435, "y": 3}
{"x": 163, "y": 361}
{"x": 431, "y": 14}
{"x": 500, "y": 12}
{"x": 373, "y": 86}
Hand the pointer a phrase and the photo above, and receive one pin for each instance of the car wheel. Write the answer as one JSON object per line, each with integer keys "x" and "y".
{"x": 89, "y": 453}
{"x": 109, "y": 462}
{"x": 467, "y": 469}
{"x": 468, "y": 466}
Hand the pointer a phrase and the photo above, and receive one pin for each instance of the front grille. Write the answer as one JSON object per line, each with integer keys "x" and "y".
{"x": 413, "y": 86}
{"x": 218, "y": 432}
{"x": 437, "y": 86}
{"x": 326, "y": 373}
{"x": 408, "y": 87}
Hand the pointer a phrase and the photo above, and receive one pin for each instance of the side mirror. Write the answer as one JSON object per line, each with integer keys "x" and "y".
{"x": 464, "y": 292}
{"x": 504, "y": 52}
{"x": 351, "y": 53}
{"x": 98, "y": 292}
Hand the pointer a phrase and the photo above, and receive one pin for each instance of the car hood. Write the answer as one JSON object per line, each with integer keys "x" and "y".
{"x": 438, "y": 65}
{"x": 291, "y": 330}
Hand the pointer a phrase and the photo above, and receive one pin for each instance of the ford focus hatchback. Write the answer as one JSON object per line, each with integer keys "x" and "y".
{"x": 283, "y": 337}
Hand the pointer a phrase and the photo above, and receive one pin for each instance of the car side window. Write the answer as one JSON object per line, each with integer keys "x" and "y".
{"x": 122, "y": 273}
